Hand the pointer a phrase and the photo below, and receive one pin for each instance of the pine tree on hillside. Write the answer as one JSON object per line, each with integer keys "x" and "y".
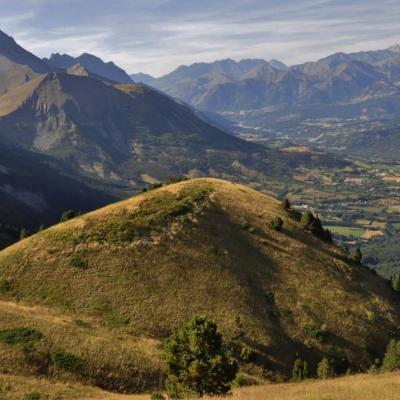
{"x": 300, "y": 370}
{"x": 391, "y": 360}
{"x": 325, "y": 369}
{"x": 356, "y": 255}
{"x": 197, "y": 361}
{"x": 285, "y": 205}
{"x": 395, "y": 282}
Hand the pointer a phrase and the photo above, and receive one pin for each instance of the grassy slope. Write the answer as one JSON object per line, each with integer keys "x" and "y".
{"x": 140, "y": 267}
{"x": 359, "y": 387}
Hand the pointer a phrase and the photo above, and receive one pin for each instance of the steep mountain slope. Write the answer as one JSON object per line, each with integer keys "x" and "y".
{"x": 36, "y": 189}
{"x": 17, "y": 65}
{"x": 117, "y": 134}
{"x": 146, "y": 265}
{"x": 96, "y": 65}
{"x": 192, "y": 83}
{"x": 253, "y": 84}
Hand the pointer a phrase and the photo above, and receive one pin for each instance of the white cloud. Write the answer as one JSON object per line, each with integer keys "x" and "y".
{"x": 158, "y": 35}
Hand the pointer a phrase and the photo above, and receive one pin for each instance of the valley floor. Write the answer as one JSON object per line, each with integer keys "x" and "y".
{"x": 359, "y": 387}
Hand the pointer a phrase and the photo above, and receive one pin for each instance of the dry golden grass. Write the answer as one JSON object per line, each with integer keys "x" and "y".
{"x": 221, "y": 260}
{"x": 358, "y": 387}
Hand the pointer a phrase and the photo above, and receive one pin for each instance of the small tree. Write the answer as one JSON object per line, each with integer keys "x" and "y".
{"x": 325, "y": 369}
{"x": 356, "y": 255}
{"x": 300, "y": 370}
{"x": 276, "y": 224}
{"x": 23, "y": 234}
{"x": 67, "y": 215}
{"x": 391, "y": 361}
{"x": 285, "y": 205}
{"x": 395, "y": 282}
{"x": 197, "y": 361}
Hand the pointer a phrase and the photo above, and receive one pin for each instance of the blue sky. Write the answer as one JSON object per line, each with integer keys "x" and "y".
{"x": 155, "y": 36}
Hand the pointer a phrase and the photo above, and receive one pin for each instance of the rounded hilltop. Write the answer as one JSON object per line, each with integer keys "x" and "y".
{"x": 206, "y": 246}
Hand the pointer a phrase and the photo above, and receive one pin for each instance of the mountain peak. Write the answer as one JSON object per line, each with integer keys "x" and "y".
{"x": 395, "y": 48}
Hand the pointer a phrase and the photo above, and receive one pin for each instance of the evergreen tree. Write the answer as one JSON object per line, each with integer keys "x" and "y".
{"x": 67, "y": 215}
{"x": 197, "y": 361}
{"x": 285, "y": 205}
{"x": 300, "y": 370}
{"x": 356, "y": 255}
{"x": 24, "y": 233}
{"x": 325, "y": 369}
{"x": 276, "y": 224}
{"x": 391, "y": 361}
{"x": 395, "y": 282}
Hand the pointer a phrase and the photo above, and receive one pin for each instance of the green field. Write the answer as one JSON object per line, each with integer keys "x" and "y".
{"x": 346, "y": 231}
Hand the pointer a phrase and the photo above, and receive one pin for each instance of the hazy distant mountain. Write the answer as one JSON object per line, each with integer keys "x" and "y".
{"x": 228, "y": 86}
{"x": 142, "y": 78}
{"x": 92, "y": 63}
{"x": 16, "y": 64}
{"x": 194, "y": 83}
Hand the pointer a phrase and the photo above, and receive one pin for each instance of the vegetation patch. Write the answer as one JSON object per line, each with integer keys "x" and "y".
{"x": 154, "y": 214}
{"x": 67, "y": 361}
{"x": 20, "y": 336}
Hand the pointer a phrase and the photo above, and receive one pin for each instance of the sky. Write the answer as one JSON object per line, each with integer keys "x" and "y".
{"x": 156, "y": 36}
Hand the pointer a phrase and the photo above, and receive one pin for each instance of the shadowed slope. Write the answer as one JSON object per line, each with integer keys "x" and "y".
{"x": 203, "y": 246}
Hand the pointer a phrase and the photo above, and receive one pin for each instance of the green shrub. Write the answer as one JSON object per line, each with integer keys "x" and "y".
{"x": 78, "y": 262}
{"x": 395, "y": 282}
{"x": 67, "y": 361}
{"x": 285, "y": 205}
{"x": 33, "y": 396}
{"x": 313, "y": 224}
{"x": 325, "y": 369}
{"x": 20, "y": 336}
{"x": 67, "y": 215}
{"x": 300, "y": 370}
{"x": 157, "y": 396}
{"x": 276, "y": 224}
{"x": 6, "y": 286}
{"x": 391, "y": 361}
{"x": 356, "y": 255}
{"x": 318, "y": 333}
{"x": 197, "y": 361}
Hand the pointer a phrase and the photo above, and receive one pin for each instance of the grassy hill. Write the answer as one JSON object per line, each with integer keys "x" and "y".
{"x": 108, "y": 286}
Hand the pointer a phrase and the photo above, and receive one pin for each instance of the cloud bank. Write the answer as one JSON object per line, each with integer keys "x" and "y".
{"x": 156, "y": 36}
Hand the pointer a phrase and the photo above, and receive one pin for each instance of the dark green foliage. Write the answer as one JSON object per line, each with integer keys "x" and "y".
{"x": 395, "y": 282}
{"x": 375, "y": 367}
{"x": 157, "y": 396}
{"x": 391, "y": 361}
{"x": 78, "y": 262}
{"x": 67, "y": 361}
{"x": 155, "y": 213}
{"x": 276, "y": 224}
{"x": 355, "y": 255}
{"x": 33, "y": 396}
{"x": 197, "y": 361}
{"x": 294, "y": 214}
{"x": 20, "y": 336}
{"x": 300, "y": 370}
{"x": 318, "y": 333}
{"x": 325, "y": 369}
{"x": 67, "y": 215}
{"x": 6, "y": 286}
{"x": 285, "y": 205}
{"x": 313, "y": 224}
{"x": 153, "y": 186}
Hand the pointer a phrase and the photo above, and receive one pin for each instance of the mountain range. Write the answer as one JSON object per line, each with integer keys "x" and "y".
{"x": 307, "y": 103}
{"x": 114, "y": 137}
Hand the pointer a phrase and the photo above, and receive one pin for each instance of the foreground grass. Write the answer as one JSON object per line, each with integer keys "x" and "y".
{"x": 359, "y": 387}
